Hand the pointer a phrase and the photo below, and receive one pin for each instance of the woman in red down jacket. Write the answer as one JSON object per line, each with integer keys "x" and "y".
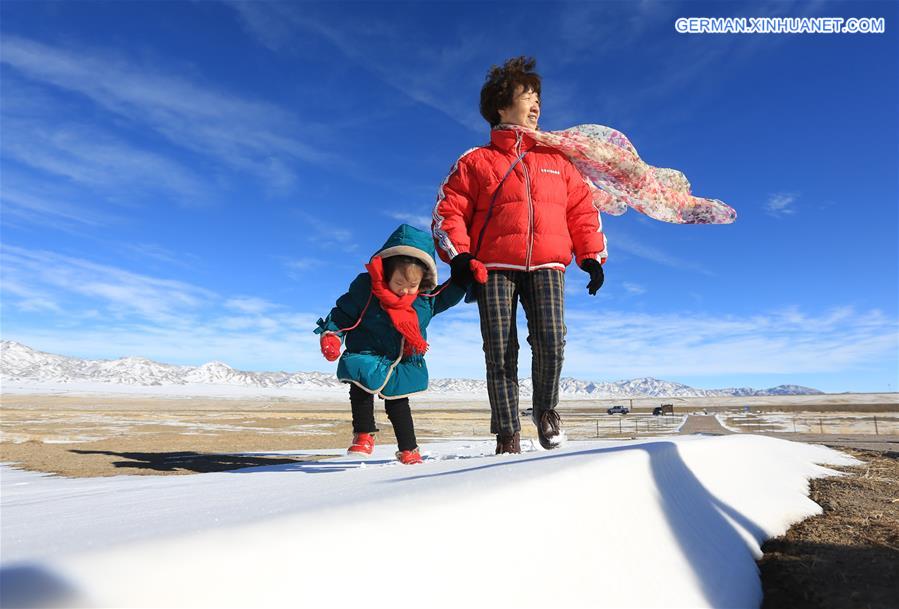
{"x": 523, "y": 210}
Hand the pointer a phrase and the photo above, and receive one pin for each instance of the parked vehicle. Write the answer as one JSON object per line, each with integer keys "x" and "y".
{"x": 618, "y": 410}
{"x": 663, "y": 409}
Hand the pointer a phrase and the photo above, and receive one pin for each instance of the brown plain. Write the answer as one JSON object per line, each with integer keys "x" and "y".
{"x": 83, "y": 435}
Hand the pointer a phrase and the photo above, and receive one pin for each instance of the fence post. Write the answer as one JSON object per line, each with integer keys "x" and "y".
{"x": 597, "y": 428}
{"x": 820, "y": 426}
{"x": 794, "y": 423}
{"x": 619, "y": 426}
{"x": 876, "y": 432}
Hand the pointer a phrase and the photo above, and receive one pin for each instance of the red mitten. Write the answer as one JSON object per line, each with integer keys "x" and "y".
{"x": 478, "y": 271}
{"x": 330, "y": 345}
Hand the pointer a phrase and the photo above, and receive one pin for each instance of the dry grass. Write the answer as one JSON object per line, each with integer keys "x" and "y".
{"x": 82, "y": 435}
{"x": 849, "y": 555}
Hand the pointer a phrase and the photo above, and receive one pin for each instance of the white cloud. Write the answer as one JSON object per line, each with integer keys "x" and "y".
{"x": 327, "y": 235}
{"x": 422, "y": 221}
{"x": 122, "y": 293}
{"x": 52, "y": 210}
{"x": 159, "y": 253}
{"x": 90, "y": 156}
{"x": 633, "y": 288}
{"x": 266, "y": 22}
{"x": 246, "y": 348}
{"x": 27, "y": 298}
{"x": 104, "y": 311}
{"x": 253, "y": 136}
{"x": 606, "y": 344}
{"x": 621, "y": 241}
{"x": 297, "y": 268}
{"x": 301, "y": 264}
{"x": 249, "y": 304}
{"x": 423, "y": 73}
{"x": 603, "y": 31}
{"x": 781, "y": 204}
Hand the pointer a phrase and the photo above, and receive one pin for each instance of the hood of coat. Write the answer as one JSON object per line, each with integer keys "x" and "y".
{"x": 410, "y": 241}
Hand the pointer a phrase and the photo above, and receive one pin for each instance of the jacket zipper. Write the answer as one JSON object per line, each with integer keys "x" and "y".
{"x": 527, "y": 186}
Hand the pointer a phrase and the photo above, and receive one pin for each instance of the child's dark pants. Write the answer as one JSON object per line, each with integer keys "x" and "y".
{"x": 398, "y": 411}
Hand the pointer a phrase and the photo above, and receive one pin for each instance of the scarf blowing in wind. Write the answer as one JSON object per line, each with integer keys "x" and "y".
{"x": 619, "y": 178}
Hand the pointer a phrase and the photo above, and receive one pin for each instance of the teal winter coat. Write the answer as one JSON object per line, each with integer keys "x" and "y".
{"x": 373, "y": 355}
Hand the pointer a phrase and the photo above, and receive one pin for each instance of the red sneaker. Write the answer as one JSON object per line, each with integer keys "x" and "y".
{"x": 363, "y": 444}
{"x": 409, "y": 457}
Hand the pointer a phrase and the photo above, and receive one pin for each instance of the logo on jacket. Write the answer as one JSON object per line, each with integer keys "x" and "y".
{"x": 552, "y": 171}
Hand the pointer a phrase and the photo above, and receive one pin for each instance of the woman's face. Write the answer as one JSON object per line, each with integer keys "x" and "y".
{"x": 525, "y": 109}
{"x": 405, "y": 280}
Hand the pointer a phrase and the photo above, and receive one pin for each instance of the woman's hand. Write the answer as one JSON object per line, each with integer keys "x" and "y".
{"x": 597, "y": 276}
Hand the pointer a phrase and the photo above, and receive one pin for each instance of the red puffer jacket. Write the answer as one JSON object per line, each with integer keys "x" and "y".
{"x": 542, "y": 214}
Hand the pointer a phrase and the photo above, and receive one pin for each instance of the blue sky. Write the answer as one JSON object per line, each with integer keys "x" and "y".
{"x": 196, "y": 181}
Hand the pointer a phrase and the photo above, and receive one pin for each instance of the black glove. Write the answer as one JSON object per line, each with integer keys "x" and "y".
{"x": 596, "y": 275}
{"x": 460, "y": 270}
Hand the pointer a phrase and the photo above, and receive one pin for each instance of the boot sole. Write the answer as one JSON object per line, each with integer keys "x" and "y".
{"x": 354, "y": 453}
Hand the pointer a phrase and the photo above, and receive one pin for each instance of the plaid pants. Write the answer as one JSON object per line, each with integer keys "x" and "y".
{"x": 542, "y": 296}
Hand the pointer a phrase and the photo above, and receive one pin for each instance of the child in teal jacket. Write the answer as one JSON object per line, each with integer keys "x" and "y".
{"x": 382, "y": 320}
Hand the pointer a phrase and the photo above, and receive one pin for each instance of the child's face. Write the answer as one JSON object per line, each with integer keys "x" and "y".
{"x": 405, "y": 280}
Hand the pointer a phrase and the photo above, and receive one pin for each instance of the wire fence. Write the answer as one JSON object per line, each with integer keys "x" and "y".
{"x": 881, "y": 424}
{"x": 593, "y": 425}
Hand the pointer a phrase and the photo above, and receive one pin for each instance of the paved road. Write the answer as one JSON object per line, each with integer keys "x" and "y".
{"x": 698, "y": 423}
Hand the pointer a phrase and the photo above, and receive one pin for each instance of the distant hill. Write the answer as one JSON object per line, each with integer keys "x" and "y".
{"x": 19, "y": 362}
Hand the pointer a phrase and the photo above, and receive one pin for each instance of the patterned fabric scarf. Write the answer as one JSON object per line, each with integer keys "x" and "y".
{"x": 398, "y": 308}
{"x": 620, "y": 179}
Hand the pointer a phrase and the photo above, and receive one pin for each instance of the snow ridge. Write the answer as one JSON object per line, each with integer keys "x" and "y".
{"x": 19, "y": 362}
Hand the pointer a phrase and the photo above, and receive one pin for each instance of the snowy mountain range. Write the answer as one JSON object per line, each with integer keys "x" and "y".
{"x": 19, "y": 362}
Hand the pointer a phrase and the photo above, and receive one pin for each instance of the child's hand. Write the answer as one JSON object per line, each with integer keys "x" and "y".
{"x": 478, "y": 271}
{"x": 466, "y": 269}
{"x": 330, "y": 345}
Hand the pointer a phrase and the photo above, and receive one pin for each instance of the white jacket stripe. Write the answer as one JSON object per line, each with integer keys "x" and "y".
{"x": 442, "y": 237}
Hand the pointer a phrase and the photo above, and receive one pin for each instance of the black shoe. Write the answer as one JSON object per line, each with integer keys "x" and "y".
{"x": 508, "y": 444}
{"x": 549, "y": 426}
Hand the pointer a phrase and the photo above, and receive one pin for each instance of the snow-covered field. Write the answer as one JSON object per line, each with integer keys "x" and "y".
{"x": 673, "y": 522}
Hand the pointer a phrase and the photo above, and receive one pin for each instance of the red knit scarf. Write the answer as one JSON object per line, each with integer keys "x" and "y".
{"x": 398, "y": 308}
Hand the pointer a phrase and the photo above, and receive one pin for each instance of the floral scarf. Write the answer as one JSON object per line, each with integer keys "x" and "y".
{"x": 619, "y": 178}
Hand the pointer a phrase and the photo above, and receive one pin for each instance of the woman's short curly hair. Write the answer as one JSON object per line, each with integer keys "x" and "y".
{"x": 499, "y": 89}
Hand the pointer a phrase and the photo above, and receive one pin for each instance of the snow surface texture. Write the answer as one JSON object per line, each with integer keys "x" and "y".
{"x": 25, "y": 370}
{"x": 673, "y": 522}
